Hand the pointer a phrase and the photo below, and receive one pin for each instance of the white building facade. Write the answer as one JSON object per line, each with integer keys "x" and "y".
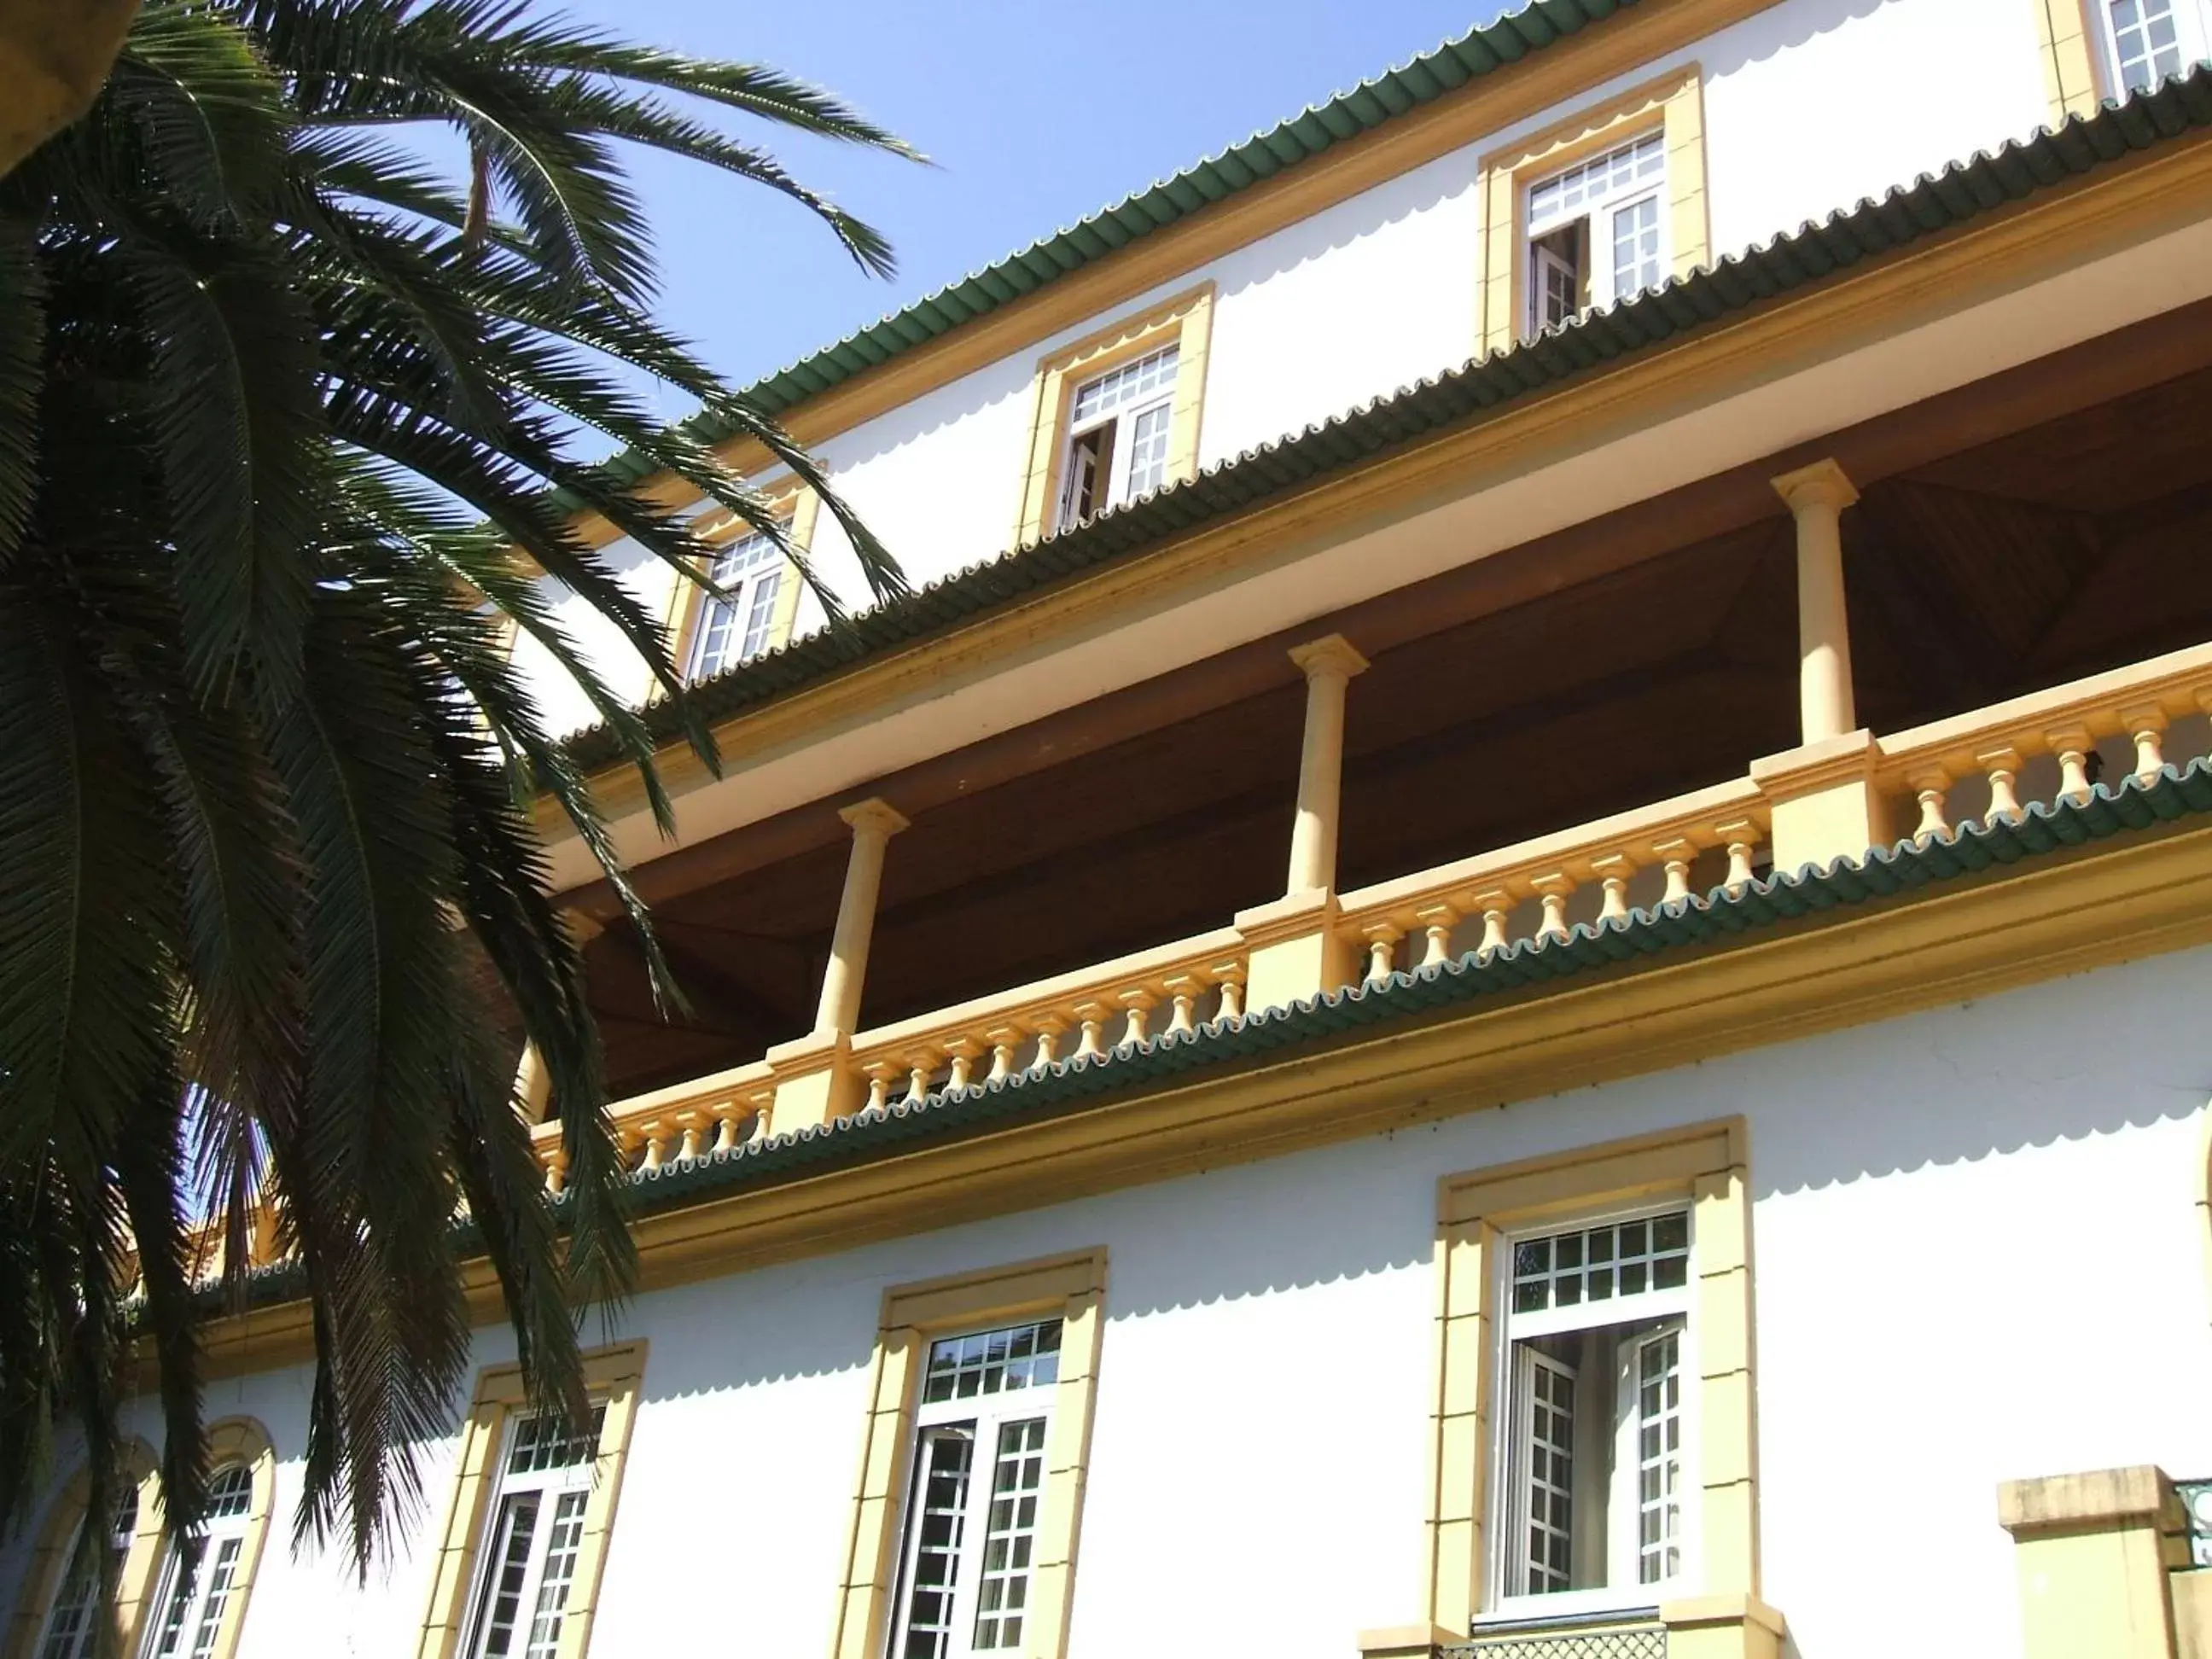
{"x": 1680, "y": 521}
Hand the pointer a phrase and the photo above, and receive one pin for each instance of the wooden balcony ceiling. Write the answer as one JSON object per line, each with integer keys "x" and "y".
{"x": 2047, "y": 523}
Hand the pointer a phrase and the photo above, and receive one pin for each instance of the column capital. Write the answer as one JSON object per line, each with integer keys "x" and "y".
{"x": 1330, "y": 654}
{"x": 874, "y": 813}
{"x": 1822, "y": 484}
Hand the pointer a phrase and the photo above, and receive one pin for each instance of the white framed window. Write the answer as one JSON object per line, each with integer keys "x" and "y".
{"x": 729, "y": 631}
{"x": 970, "y": 1533}
{"x": 535, "y": 1532}
{"x": 1597, "y": 232}
{"x": 2145, "y": 41}
{"x": 73, "y": 1618}
{"x": 200, "y": 1574}
{"x": 1119, "y": 425}
{"x": 1591, "y": 1498}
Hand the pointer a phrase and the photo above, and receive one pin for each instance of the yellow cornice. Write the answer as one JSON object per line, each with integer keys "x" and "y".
{"x": 2091, "y": 908}
{"x": 2057, "y": 229}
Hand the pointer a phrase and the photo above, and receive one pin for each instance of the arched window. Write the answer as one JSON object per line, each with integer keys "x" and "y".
{"x": 72, "y": 1629}
{"x": 201, "y": 1574}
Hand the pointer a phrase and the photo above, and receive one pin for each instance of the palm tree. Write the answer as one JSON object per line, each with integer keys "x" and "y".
{"x": 287, "y": 422}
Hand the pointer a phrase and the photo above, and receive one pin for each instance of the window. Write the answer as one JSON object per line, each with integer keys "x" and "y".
{"x": 1117, "y": 445}
{"x": 525, "y": 1528}
{"x": 971, "y": 1520}
{"x": 1592, "y": 1459}
{"x": 2144, "y": 38}
{"x": 1594, "y": 209}
{"x": 1596, "y": 1440}
{"x": 201, "y": 1574}
{"x": 72, "y": 1629}
{"x": 538, "y": 1525}
{"x": 736, "y": 629}
{"x": 1595, "y": 234}
{"x": 972, "y": 1465}
{"x": 1115, "y": 415}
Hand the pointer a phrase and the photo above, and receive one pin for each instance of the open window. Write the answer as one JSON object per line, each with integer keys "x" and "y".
{"x": 1118, "y": 426}
{"x": 971, "y": 1516}
{"x": 528, "y": 1566}
{"x": 735, "y": 629}
{"x": 201, "y": 1574}
{"x": 1597, "y": 233}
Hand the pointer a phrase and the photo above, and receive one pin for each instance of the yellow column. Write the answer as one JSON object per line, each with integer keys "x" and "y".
{"x": 1823, "y": 797}
{"x": 2093, "y": 1552}
{"x": 1817, "y": 495}
{"x": 1329, "y": 664}
{"x": 874, "y": 822}
{"x": 814, "y": 1078}
{"x": 1295, "y": 951}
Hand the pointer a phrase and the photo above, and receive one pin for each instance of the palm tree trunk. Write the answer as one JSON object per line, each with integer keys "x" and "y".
{"x": 54, "y": 58}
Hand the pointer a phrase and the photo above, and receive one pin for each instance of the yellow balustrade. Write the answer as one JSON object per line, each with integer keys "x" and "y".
{"x": 1997, "y": 747}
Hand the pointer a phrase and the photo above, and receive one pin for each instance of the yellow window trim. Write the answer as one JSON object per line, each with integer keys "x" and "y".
{"x": 798, "y": 507}
{"x": 49, "y": 1558}
{"x": 2067, "y": 40}
{"x": 1672, "y": 103}
{"x": 612, "y": 1376}
{"x": 1706, "y": 1162}
{"x": 1187, "y": 319}
{"x": 1072, "y": 1286}
{"x": 232, "y": 1440}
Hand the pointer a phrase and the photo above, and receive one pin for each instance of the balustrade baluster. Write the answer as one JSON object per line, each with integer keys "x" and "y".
{"x": 1230, "y": 976}
{"x": 1741, "y": 837}
{"x": 1382, "y": 939}
{"x": 1675, "y": 857}
{"x": 1496, "y": 907}
{"x": 2073, "y": 745}
{"x": 963, "y": 1051}
{"x": 880, "y": 1074}
{"x": 2146, "y": 725}
{"x": 2003, "y": 766}
{"x": 694, "y": 1123}
{"x": 1092, "y": 1043}
{"x": 1004, "y": 1040}
{"x": 1049, "y": 1029}
{"x": 1931, "y": 787}
{"x": 1553, "y": 890}
{"x": 1613, "y": 871}
{"x": 1183, "y": 990}
{"x": 656, "y": 1144}
{"x": 921, "y": 1070}
{"x": 557, "y": 1168}
{"x": 1436, "y": 921}
{"x": 1140, "y": 1001}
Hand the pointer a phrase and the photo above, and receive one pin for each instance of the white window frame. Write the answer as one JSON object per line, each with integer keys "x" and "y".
{"x": 1505, "y": 1509}
{"x": 555, "y": 1498}
{"x": 1597, "y": 210}
{"x": 749, "y": 568}
{"x": 1113, "y": 431}
{"x": 2189, "y": 42}
{"x": 984, "y": 1418}
{"x": 190, "y": 1604}
{"x": 76, "y": 1596}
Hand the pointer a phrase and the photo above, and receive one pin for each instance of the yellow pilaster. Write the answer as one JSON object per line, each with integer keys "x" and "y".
{"x": 2093, "y": 1552}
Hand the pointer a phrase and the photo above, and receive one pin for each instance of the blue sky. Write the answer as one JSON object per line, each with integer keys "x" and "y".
{"x": 1036, "y": 115}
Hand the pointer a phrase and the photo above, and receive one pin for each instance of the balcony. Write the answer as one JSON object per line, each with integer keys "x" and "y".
{"x": 1996, "y": 601}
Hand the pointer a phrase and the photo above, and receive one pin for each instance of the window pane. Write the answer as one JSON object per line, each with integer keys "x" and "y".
{"x": 1569, "y": 194}
{"x": 939, "y": 1520}
{"x": 543, "y": 1442}
{"x": 1148, "y": 451}
{"x": 561, "y": 1543}
{"x": 1596, "y": 1263}
{"x": 1119, "y": 387}
{"x": 993, "y": 1361}
{"x": 1549, "y": 1457}
{"x": 1635, "y": 249}
{"x": 734, "y": 631}
{"x": 1659, "y": 1458}
{"x": 1016, "y": 1489}
{"x": 518, "y": 1526}
{"x": 184, "y": 1580}
{"x": 2145, "y": 41}
{"x": 218, "y": 1596}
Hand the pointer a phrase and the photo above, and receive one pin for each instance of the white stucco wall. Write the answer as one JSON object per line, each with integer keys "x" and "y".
{"x": 1978, "y": 1258}
{"x": 1809, "y": 106}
